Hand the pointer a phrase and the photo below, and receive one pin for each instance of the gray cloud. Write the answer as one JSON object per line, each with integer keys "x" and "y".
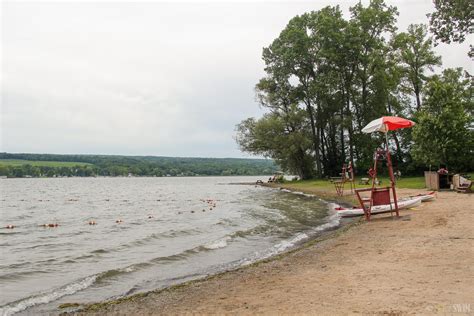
{"x": 144, "y": 78}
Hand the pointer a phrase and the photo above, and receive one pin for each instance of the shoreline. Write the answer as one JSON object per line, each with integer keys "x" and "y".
{"x": 101, "y": 306}
{"x": 324, "y": 234}
{"x": 340, "y": 270}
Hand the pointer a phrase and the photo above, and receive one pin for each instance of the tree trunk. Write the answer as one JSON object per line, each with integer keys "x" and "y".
{"x": 343, "y": 151}
{"x": 350, "y": 128}
{"x": 323, "y": 152}
{"x": 315, "y": 134}
{"x": 417, "y": 95}
{"x": 399, "y": 151}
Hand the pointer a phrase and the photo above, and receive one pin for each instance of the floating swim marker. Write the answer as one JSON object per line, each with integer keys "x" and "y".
{"x": 50, "y": 225}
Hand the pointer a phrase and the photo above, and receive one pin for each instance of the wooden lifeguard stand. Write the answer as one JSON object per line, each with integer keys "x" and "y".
{"x": 347, "y": 175}
{"x": 379, "y": 196}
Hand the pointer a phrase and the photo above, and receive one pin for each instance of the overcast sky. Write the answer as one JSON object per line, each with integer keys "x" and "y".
{"x": 148, "y": 78}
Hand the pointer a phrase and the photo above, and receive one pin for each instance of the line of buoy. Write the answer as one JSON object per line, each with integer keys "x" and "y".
{"x": 211, "y": 202}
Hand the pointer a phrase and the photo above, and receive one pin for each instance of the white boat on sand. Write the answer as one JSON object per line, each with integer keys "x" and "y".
{"x": 378, "y": 209}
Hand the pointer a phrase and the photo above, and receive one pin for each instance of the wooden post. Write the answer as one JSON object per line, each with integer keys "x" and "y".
{"x": 392, "y": 180}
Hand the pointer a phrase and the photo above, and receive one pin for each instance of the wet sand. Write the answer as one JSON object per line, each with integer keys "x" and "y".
{"x": 420, "y": 263}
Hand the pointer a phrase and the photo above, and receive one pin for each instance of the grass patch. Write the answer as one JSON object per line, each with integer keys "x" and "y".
{"x": 326, "y": 190}
{"x": 403, "y": 183}
{"x": 37, "y": 163}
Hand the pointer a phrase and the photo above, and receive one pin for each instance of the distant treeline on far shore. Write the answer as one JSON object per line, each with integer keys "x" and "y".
{"x": 50, "y": 165}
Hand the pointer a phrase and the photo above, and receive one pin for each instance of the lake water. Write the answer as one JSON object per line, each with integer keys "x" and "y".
{"x": 172, "y": 230}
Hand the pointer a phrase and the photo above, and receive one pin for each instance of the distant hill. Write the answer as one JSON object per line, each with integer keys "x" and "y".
{"x": 50, "y": 165}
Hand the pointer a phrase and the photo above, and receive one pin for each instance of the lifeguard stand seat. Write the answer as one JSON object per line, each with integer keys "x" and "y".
{"x": 381, "y": 196}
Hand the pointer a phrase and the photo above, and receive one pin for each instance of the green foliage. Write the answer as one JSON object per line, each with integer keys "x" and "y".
{"x": 452, "y": 21}
{"x": 327, "y": 77}
{"x": 274, "y": 137}
{"x": 45, "y": 165}
{"x": 415, "y": 55}
{"x": 335, "y": 76}
{"x": 444, "y": 134}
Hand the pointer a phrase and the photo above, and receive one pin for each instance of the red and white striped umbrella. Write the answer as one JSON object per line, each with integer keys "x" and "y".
{"x": 387, "y": 123}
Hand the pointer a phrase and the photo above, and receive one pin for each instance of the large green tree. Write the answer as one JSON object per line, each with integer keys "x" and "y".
{"x": 444, "y": 134}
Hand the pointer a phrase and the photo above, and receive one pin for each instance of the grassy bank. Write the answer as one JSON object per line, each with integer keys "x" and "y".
{"x": 403, "y": 183}
{"x": 325, "y": 188}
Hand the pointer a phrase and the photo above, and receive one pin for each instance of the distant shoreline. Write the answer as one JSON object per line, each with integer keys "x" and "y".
{"x": 50, "y": 166}
{"x": 122, "y": 177}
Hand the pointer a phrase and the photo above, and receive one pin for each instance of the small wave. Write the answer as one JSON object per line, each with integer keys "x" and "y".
{"x": 99, "y": 251}
{"x": 220, "y": 243}
{"x": 332, "y": 222}
{"x": 69, "y": 289}
{"x": 20, "y": 275}
{"x": 287, "y": 244}
{"x": 9, "y": 233}
{"x": 299, "y": 193}
{"x": 179, "y": 256}
{"x": 109, "y": 274}
{"x": 47, "y": 297}
{"x": 49, "y": 245}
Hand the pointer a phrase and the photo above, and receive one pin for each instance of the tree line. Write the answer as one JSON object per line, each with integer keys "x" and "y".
{"x": 328, "y": 76}
{"x": 104, "y": 165}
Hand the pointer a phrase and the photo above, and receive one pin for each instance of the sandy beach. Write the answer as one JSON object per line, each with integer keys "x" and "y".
{"x": 420, "y": 263}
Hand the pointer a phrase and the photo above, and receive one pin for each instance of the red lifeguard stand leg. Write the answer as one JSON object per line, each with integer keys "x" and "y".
{"x": 379, "y": 196}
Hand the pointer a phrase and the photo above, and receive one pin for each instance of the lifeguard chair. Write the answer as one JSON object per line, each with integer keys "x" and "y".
{"x": 379, "y": 196}
{"x": 347, "y": 175}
